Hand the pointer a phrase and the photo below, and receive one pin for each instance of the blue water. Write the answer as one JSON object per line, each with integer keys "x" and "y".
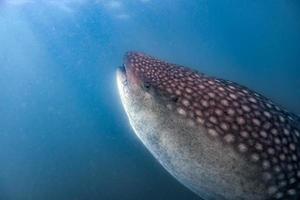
{"x": 63, "y": 132}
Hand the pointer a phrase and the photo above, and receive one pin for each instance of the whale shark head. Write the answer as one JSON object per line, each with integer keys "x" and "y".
{"x": 220, "y": 139}
{"x": 134, "y": 76}
{"x": 148, "y": 81}
{"x": 143, "y": 75}
{"x": 145, "y": 94}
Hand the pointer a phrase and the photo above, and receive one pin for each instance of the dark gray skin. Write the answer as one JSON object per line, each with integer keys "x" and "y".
{"x": 218, "y": 138}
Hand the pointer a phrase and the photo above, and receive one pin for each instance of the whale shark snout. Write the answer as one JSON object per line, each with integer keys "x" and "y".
{"x": 138, "y": 68}
{"x": 220, "y": 139}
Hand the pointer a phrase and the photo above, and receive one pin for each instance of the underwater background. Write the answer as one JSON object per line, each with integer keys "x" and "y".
{"x": 63, "y": 131}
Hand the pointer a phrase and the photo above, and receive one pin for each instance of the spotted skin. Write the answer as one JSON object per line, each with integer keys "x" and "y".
{"x": 261, "y": 132}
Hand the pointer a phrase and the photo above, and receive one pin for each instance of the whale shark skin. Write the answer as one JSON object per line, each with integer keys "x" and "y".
{"x": 218, "y": 138}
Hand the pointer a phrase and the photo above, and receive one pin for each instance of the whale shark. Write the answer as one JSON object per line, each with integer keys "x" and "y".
{"x": 220, "y": 139}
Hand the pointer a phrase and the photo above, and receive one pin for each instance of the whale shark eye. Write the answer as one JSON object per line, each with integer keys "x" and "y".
{"x": 174, "y": 99}
{"x": 147, "y": 85}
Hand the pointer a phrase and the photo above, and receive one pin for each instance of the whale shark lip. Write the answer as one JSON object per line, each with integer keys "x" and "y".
{"x": 122, "y": 69}
{"x": 121, "y": 75}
